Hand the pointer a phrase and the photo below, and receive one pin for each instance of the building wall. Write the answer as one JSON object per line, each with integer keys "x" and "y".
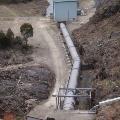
{"x": 64, "y": 11}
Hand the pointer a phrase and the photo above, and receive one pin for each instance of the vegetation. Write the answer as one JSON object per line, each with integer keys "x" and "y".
{"x": 8, "y": 40}
{"x": 18, "y": 40}
{"x": 14, "y": 1}
{"x": 10, "y": 34}
{"x": 5, "y": 41}
{"x": 27, "y": 31}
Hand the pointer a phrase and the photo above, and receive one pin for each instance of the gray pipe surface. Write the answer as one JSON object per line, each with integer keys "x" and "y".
{"x": 109, "y": 101}
{"x": 69, "y": 101}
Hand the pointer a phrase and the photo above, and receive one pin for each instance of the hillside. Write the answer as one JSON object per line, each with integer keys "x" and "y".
{"x": 14, "y": 1}
{"x": 23, "y": 8}
{"x": 98, "y": 44}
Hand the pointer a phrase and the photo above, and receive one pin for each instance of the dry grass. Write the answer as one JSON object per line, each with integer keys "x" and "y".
{"x": 111, "y": 112}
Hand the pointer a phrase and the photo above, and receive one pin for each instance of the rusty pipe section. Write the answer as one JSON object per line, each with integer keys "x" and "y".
{"x": 69, "y": 101}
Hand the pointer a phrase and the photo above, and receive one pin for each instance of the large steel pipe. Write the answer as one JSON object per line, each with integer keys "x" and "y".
{"x": 69, "y": 101}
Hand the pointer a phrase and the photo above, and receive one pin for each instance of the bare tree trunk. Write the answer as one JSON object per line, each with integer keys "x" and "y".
{"x": 26, "y": 40}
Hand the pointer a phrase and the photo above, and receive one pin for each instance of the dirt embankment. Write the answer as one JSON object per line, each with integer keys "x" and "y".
{"x": 98, "y": 43}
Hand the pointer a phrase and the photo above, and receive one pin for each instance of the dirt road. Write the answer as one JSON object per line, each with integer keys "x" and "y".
{"x": 52, "y": 37}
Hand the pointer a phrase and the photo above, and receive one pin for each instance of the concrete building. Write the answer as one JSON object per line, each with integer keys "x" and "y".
{"x": 64, "y": 10}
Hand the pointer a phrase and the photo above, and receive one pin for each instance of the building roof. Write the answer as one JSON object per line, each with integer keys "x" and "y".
{"x": 65, "y": 0}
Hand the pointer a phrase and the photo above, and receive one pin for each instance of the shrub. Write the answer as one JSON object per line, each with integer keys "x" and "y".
{"x": 18, "y": 40}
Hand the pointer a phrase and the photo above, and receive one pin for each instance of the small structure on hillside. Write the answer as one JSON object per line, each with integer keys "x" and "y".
{"x": 64, "y": 10}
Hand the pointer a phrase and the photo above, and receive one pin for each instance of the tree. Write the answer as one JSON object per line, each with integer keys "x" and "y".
{"x": 2, "y": 35}
{"x": 4, "y": 41}
{"x": 10, "y": 35}
{"x": 27, "y": 31}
